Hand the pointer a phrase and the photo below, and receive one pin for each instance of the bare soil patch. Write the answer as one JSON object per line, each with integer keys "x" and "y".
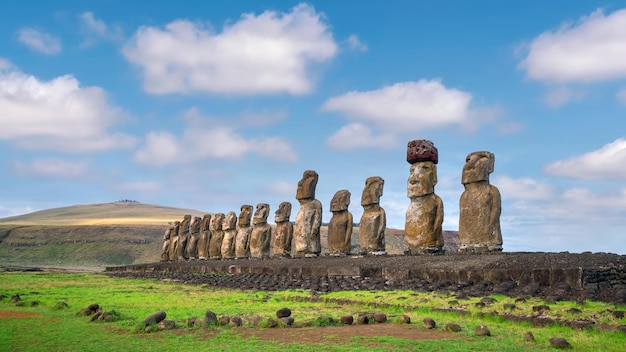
{"x": 9, "y": 314}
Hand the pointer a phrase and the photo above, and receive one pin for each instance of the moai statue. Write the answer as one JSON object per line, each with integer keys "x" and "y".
{"x": 174, "y": 241}
{"x": 374, "y": 219}
{"x": 183, "y": 237}
{"x": 194, "y": 236}
{"x": 205, "y": 237}
{"x": 217, "y": 235}
{"x": 424, "y": 217}
{"x": 284, "y": 231}
{"x": 244, "y": 230}
{"x": 165, "y": 250}
{"x": 230, "y": 232}
{"x": 480, "y": 206}
{"x": 309, "y": 218}
{"x": 261, "y": 232}
{"x": 340, "y": 226}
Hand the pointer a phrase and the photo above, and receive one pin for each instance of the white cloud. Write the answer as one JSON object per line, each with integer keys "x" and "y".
{"x": 407, "y": 106}
{"x": 140, "y": 186}
{"x": 94, "y": 29}
{"x": 357, "y": 135}
{"x": 621, "y": 95}
{"x": 282, "y": 188}
{"x": 593, "y": 49}
{"x": 40, "y": 41}
{"x": 163, "y": 148}
{"x": 559, "y": 96}
{"x": 355, "y": 44}
{"x": 52, "y": 167}
{"x": 606, "y": 163}
{"x": 522, "y": 188}
{"x": 57, "y": 114}
{"x": 269, "y": 53}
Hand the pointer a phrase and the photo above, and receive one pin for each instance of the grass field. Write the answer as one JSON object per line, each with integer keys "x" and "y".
{"x": 42, "y": 327}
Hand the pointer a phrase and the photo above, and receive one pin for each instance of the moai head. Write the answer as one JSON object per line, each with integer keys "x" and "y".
{"x": 422, "y": 179}
{"x": 175, "y": 228}
{"x": 230, "y": 221}
{"x": 187, "y": 218}
{"x": 195, "y": 224}
{"x": 216, "y": 222}
{"x": 373, "y": 190}
{"x": 421, "y": 150}
{"x": 245, "y": 215}
{"x": 340, "y": 201}
{"x": 478, "y": 166}
{"x": 206, "y": 221}
{"x": 306, "y": 186}
{"x": 283, "y": 213}
{"x": 260, "y": 215}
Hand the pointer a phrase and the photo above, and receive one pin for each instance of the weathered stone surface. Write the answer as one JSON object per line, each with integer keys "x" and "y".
{"x": 193, "y": 322}
{"x": 283, "y": 312}
{"x": 210, "y": 318}
{"x": 165, "y": 249}
{"x": 236, "y": 321}
{"x": 217, "y": 235}
{"x": 340, "y": 226}
{"x": 560, "y": 342}
{"x": 424, "y": 217}
{"x": 287, "y": 320}
{"x": 528, "y": 336}
{"x": 453, "y": 327}
{"x": 167, "y": 325}
{"x": 362, "y": 320}
{"x": 283, "y": 234}
{"x": 380, "y": 317}
{"x": 309, "y": 218}
{"x": 261, "y": 236}
{"x": 194, "y": 236}
{"x": 174, "y": 241}
{"x": 421, "y": 150}
{"x": 155, "y": 318}
{"x": 482, "y": 330}
{"x": 229, "y": 226}
{"x": 374, "y": 220}
{"x": 205, "y": 236}
{"x": 347, "y": 319}
{"x": 404, "y": 319}
{"x": 429, "y": 323}
{"x": 480, "y": 206}
{"x": 244, "y": 230}
{"x": 223, "y": 319}
{"x": 183, "y": 237}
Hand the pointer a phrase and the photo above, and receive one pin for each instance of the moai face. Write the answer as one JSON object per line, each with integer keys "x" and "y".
{"x": 283, "y": 213}
{"x": 340, "y": 201}
{"x": 260, "y": 215}
{"x": 422, "y": 179}
{"x": 478, "y": 166}
{"x": 216, "y": 222}
{"x": 373, "y": 190}
{"x": 206, "y": 222}
{"x": 306, "y": 186}
{"x": 230, "y": 221}
{"x": 245, "y": 215}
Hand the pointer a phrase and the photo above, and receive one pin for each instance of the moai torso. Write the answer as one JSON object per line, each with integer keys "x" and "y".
{"x": 480, "y": 206}
{"x": 165, "y": 250}
{"x": 205, "y": 236}
{"x": 284, "y": 231}
{"x": 217, "y": 235}
{"x": 424, "y": 217}
{"x": 174, "y": 241}
{"x": 309, "y": 218}
{"x": 194, "y": 235}
{"x": 230, "y": 231}
{"x": 244, "y": 230}
{"x": 340, "y": 226}
{"x": 261, "y": 232}
{"x": 183, "y": 237}
{"x": 374, "y": 220}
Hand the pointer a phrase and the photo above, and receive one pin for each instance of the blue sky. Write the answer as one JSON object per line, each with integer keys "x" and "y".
{"x": 211, "y": 105}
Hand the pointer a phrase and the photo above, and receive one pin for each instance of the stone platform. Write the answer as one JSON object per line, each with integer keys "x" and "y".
{"x": 599, "y": 276}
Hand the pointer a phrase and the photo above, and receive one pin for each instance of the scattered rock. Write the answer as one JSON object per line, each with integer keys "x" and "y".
{"x": 210, "y": 318}
{"x": 618, "y": 314}
{"x": 236, "y": 321}
{"x": 167, "y": 324}
{"x": 559, "y": 342}
{"x": 482, "y": 330}
{"x": 404, "y": 319}
{"x": 283, "y": 312}
{"x": 287, "y": 320}
{"x": 488, "y": 300}
{"x": 622, "y": 328}
{"x": 154, "y": 318}
{"x": 94, "y": 307}
{"x": 223, "y": 320}
{"x": 509, "y": 306}
{"x": 453, "y": 303}
{"x": 33, "y": 303}
{"x": 362, "y": 320}
{"x": 271, "y": 323}
{"x": 380, "y": 317}
{"x": 453, "y": 327}
{"x": 429, "y": 323}
{"x": 574, "y": 311}
{"x": 60, "y": 305}
{"x": 254, "y": 320}
{"x": 347, "y": 319}
{"x": 193, "y": 322}
{"x": 480, "y": 304}
{"x": 528, "y": 336}
{"x": 541, "y": 309}
{"x": 15, "y": 298}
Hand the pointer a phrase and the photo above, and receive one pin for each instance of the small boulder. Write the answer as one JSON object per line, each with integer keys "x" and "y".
{"x": 362, "y": 320}
{"x": 287, "y": 320}
{"x": 482, "y": 330}
{"x": 429, "y": 323}
{"x": 574, "y": 311}
{"x": 271, "y": 323}
{"x": 540, "y": 308}
{"x": 254, "y": 320}
{"x": 210, "y": 318}
{"x": 453, "y": 327}
{"x": 283, "y": 312}
{"x": 347, "y": 319}
{"x": 509, "y": 306}
{"x": 488, "y": 300}
{"x": 155, "y": 318}
{"x": 622, "y": 328}
{"x": 236, "y": 321}
{"x": 15, "y": 298}
{"x": 528, "y": 336}
{"x": 33, "y": 303}
{"x": 380, "y": 317}
{"x": 193, "y": 322}
{"x": 223, "y": 320}
{"x": 167, "y": 324}
{"x": 60, "y": 305}
{"x": 559, "y": 342}
{"x": 404, "y": 319}
{"x": 94, "y": 307}
{"x": 618, "y": 314}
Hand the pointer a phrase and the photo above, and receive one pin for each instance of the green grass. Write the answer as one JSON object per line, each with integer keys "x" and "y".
{"x": 63, "y": 330}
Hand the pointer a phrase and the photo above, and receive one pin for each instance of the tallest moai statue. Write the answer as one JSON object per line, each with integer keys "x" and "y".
{"x": 309, "y": 218}
{"x": 424, "y": 217}
{"x": 480, "y": 206}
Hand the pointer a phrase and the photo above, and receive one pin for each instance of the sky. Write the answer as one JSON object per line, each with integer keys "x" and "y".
{"x": 209, "y": 105}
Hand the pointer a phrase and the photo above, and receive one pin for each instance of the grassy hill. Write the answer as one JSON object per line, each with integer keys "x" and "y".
{"x": 119, "y": 233}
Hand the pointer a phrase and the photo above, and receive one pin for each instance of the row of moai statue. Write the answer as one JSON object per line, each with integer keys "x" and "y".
{"x": 226, "y": 236}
